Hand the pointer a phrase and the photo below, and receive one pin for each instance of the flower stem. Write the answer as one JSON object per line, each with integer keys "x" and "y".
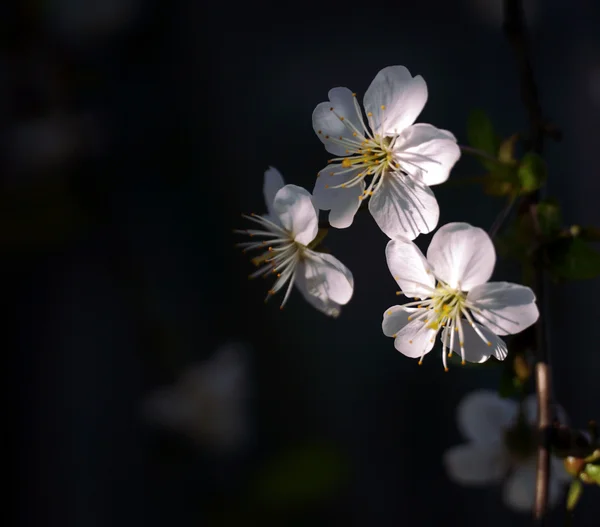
{"x": 516, "y": 33}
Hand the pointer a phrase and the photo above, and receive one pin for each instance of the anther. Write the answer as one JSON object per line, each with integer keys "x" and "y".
{"x": 341, "y": 118}
{"x": 410, "y": 341}
{"x": 319, "y": 132}
{"x": 354, "y": 95}
{"x": 369, "y": 114}
{"x": 383, "y": 106}
{"x": 331, "y": 109}
{"x": 326, "y": 186}
{"x": 463, "y": 362}
{"x": 420, "y": 363}
{"x": 446, "y": 370}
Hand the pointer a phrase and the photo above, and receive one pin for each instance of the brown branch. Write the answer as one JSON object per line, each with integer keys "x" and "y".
{"x": 516, "y": 33}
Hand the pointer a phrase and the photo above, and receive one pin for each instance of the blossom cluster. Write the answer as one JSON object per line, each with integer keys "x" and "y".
{"x": 386, "y": 162}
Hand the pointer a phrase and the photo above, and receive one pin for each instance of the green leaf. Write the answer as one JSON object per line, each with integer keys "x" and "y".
{"x": 480, "y": 133}
{"x": 549, "y": 217}
{"x": 510, "y": 385}
{"x": 593, "y": 472}
{"x": 506, "y": 151}
{"x": 299, "y": 476}
{"x": 532, "y": 172}
{"x": 572, "y": 259}
{"x": 575, "y": 492}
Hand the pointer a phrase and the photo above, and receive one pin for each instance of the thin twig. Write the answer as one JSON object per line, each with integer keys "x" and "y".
{"x": 516, "y": 33}
{"x": 502, "y": 217}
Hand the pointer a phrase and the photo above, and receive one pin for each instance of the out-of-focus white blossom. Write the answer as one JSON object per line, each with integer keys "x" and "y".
{"x": 208, "y": 402}
{"x": 502, "y": 448}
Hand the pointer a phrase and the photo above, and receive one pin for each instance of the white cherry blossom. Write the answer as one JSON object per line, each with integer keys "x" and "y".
{"x": 285, "y": 234}
{"x": 501, "y": 448}
{"x": 454, "y": 296}
{"x": 208, "y": 401}
{"x": 401, "y": 159}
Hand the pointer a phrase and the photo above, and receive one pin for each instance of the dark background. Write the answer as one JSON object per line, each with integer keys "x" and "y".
{"x": 120, "y": 269}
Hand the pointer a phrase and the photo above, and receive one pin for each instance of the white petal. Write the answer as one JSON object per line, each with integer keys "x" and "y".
{"x": 482, "y": 416}
{"x": 343, "y": 202}
{"x": 433, "y": 150}
{"x": 327, "y": 124}
{"x": 415, "y": 340}
{"x": 476, "y": 350}
{"x": 503, "y": 307}
{"x": 297, "y": 213}
{"x": 325, "y": 277}
{"x": 474, "y": 464}
{"x": 519, "y": 489}
{"x": 326, "y": 306}
{"x": 273, "y": 182}
{"x": 463, "y": 256}
{"x": 402, "y": 96}
{"x": 530, "y": 411}
{"x": 394, "y": 319}
{"x": 404, "y": 207}
{"x": 409, "y": 268}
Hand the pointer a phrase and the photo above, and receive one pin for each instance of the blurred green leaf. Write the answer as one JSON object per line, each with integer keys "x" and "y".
{"x": 572, "y": 259}
{"x": 549, "y": 217}
{"x": 593, "y": 472}
{"x": 532, "y": 172}
{"x": 506, "y": 151}
{"x": 481, "y": 135}
{"x": 510, "y": 384}
{"x": 575, "y": 492}
{"x": 299, "y": 476}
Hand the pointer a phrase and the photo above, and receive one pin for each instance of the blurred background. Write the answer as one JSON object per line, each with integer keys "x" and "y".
{"x": 134, "y": 134}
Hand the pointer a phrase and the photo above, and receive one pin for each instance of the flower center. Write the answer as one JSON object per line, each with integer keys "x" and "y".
{"x": 370, "y": 154}
{"x": 445, "y": 309}
{"x": 280, "y": 257}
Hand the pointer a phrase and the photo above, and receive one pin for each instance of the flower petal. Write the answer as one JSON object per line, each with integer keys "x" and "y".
{"x": 432, "y": 150}
{"x": 343, "y": 202}
{"x": 519, "y": 489}
{"x": 404, "y": 207}
{"x": 297, "y": 213}
{"x": 474, "y": 464}
{"x": 503, "y": 307}
{"x": 463, "y": 256}
{"x": 324, "y": 305}
{"x": 402, "y": 97}
{"x": 394, "y": 319}
{"x": 415, "y": 340}
{"x": 476, "y": 350}
{"x": 325, "y": 277}
{"x": 272, "y": 184}
{"x": 409, "y": 268}
{"x": 327, "y": 123}
{"x": 482, "y": 416}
